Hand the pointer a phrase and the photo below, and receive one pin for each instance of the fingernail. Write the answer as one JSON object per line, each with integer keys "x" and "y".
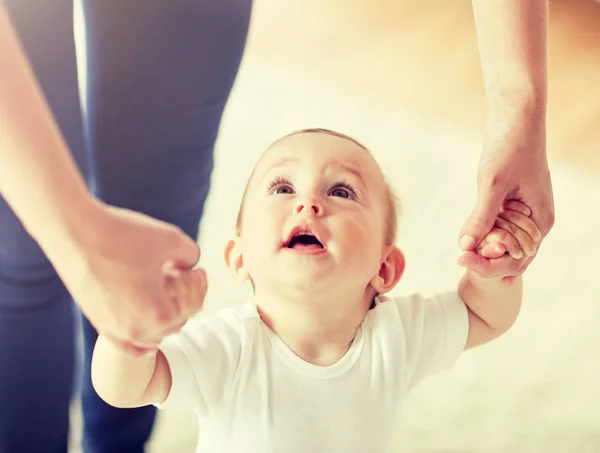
{"x": 467, "y": 242}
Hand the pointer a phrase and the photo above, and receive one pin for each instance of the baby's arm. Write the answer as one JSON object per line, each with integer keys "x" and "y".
{"x": 123, "y": 380}
{"x": 493, "y": 305}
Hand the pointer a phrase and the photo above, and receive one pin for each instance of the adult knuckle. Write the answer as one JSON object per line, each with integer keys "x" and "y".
{"x": 494, "y": 181}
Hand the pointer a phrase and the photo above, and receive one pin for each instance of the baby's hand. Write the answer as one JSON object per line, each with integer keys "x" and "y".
{"x": 514, "y": 233}
{"x": 187, "y": 289}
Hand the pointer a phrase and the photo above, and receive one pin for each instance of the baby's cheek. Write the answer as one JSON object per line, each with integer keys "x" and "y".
{"x": 363, "y": 235}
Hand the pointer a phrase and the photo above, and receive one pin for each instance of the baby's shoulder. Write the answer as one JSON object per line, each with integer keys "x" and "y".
{"x": 393, "y": 306}
{"x": 411, "y": 308}
{"x": 232, "y": 320}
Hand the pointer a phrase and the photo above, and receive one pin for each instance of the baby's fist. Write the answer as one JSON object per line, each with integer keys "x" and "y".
{"x": 514, "y": 233}
{"x": 187, "y": 288}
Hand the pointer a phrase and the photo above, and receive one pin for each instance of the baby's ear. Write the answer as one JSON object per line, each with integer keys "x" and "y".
{"x": 390, "y": 271}
{"x": 234, "y": 259}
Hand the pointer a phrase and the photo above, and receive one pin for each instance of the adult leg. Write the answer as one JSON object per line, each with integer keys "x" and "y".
{"x": 36, "y": 312}
{"x": 159, "y": 76}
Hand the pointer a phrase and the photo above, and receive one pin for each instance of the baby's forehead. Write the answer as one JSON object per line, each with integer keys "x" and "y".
{"x": 322, "y": 150}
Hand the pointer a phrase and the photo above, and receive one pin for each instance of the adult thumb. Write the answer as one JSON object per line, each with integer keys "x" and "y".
{"x": 482, "y": 218}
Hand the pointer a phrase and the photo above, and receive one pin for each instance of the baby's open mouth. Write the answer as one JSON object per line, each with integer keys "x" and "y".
{"x": 304, "y": 241}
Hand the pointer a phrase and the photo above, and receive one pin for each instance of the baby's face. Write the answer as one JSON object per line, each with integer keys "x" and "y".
{"x": 314, "y": 215}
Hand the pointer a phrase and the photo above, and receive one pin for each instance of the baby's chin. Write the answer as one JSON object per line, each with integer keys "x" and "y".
{"x": 309, "y": 284}
{"x": 303, "y": 280}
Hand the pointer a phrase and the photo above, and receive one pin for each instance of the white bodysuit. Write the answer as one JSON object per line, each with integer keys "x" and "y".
{"x": 254, "y": 395}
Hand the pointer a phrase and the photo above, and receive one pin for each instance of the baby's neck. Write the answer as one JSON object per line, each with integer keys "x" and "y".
{"x": 318, "y": 331}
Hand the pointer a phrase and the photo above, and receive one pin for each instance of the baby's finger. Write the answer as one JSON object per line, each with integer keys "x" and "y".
{"x": 493, "y": 250}
{"x": 486, "y": 268}
{"x": 514, "y": 205}
{"x": 524, "y": 223}
{"x": 504, "y": 237}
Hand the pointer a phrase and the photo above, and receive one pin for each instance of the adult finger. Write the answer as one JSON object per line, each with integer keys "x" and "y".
{"x": 524, "y": 223}
{"x": 515, "y": 205}
{"x": 186, "y": 250}
{"x": 483, "y": 216}
{"x": 524, "y": 240}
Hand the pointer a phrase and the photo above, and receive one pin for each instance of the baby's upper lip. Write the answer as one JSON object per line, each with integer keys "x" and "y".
{"x": 304, "y": 229}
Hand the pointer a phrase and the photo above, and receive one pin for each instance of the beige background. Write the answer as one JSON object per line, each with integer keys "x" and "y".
{"x": 403, "y": 76}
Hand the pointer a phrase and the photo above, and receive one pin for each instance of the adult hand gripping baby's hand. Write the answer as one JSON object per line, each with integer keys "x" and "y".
{"x": 513, "y": 166}
{"x": 119, "y": 274}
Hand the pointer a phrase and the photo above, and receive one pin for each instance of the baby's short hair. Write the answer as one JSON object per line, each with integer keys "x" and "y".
{"x": 392, "y": 204}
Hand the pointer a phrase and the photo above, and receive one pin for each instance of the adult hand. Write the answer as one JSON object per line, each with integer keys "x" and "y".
{"x": 111, "y": 260}
{"x": 513, "y": 166}
{"x": 119, "y": 275}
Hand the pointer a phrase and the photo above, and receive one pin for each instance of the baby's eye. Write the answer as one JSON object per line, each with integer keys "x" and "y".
{"x": 280, "y": 186}
{"x": 343, "y": 191}
{"x": 340, "y": 192}
{"x": 283, "y": 190}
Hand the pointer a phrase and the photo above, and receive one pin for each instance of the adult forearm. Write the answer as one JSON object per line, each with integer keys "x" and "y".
{"x": 512, "y": 37}
{"x": 38, "y": 177}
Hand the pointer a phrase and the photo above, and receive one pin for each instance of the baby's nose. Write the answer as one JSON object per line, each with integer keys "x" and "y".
{"x": 311, "y": 204}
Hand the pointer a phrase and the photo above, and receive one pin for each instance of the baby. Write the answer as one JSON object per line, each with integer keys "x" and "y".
{"x": 320, "y": 360}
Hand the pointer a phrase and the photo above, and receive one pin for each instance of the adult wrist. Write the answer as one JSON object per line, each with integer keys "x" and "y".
{"x": 77, "y": 218}
{"x": 517, "y": 122}
{"x": 526, "y": 105}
